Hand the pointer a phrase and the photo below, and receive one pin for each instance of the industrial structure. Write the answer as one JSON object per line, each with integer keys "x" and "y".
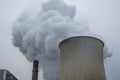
{"x": 35, "y": 70}
{"x": 6, "y": 75}
{"x": 82, "y": 59}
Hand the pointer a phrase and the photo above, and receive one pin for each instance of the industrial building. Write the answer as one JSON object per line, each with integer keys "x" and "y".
{"x": 6, "y": 75}
{"x": 82, "y": 59}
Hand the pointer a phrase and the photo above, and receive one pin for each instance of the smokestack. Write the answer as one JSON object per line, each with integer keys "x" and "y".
{"x": 82, "y": 59}
{"x": 35, "y": 70}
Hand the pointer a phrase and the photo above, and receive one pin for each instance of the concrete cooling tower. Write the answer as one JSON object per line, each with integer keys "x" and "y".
{"x": 82, "y": 59}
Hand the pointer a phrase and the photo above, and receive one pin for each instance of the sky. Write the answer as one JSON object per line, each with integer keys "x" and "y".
{"x": 103, "y": 17}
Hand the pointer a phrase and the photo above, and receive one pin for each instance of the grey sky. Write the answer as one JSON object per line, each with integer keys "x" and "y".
{"x": 103, "y": 18}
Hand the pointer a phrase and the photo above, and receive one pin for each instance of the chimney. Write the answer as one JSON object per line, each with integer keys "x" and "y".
{"x": 82, "y": 59}
{"x": 35, "y": 70}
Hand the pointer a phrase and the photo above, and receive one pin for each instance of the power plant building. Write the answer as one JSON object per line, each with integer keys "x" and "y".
{"x": 6, "y": 75}
{"x": 82, "y": 59}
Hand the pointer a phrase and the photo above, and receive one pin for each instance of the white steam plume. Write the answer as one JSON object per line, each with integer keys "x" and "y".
{"x": 38, "y": 36}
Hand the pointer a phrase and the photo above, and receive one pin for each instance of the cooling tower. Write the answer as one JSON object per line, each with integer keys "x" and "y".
{"x": 82, "y": 59}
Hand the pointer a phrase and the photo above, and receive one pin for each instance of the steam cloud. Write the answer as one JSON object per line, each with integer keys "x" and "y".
{"x": 38, "y": 36}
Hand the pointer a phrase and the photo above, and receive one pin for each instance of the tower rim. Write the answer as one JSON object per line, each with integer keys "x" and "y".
{"x": 81, "y": 37}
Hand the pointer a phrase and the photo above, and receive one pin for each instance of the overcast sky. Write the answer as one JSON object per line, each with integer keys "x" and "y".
{"x": 103, "y": 17}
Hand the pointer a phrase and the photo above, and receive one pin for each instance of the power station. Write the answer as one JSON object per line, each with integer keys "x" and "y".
{"x": 82, "y": 59}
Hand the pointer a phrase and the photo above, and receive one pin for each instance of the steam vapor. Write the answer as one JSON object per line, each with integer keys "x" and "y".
{"x": 38, "y": 36}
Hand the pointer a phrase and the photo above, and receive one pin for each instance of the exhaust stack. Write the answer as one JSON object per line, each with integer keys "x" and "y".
{"x": 35, "y": 70}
